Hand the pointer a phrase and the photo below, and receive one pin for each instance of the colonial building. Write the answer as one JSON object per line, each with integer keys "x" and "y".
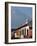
{"x": 23, "y": 31}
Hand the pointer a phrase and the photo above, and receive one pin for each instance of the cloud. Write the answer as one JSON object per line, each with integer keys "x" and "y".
{"x": 19, "y": 15}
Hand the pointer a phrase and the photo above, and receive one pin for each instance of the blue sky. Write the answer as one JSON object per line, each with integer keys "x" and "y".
{"x": 19, "y": 15}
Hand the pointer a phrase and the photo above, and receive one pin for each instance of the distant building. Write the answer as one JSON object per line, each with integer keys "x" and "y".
{"x": 22, "y": 32}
